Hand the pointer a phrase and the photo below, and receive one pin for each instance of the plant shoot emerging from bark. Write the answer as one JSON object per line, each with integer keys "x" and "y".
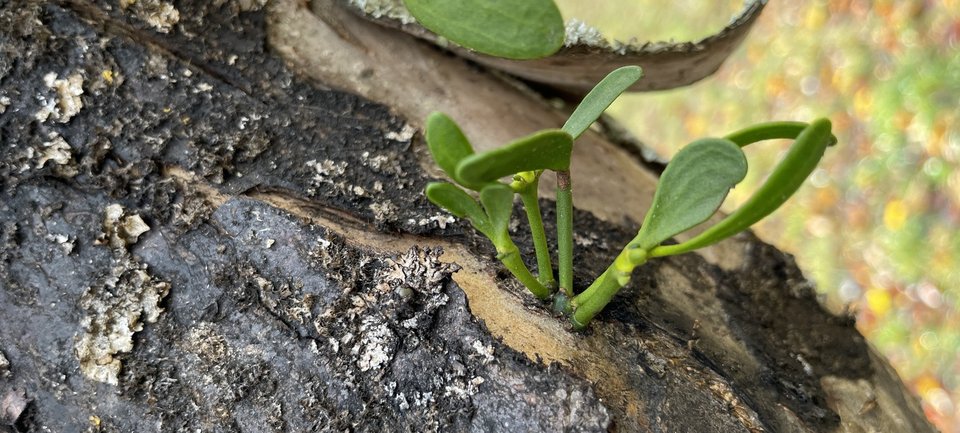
{"x": 691, "y": 188}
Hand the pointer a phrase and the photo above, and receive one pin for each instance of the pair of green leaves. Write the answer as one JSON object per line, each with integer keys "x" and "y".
{"x": 701, "y": 175}
{"x": 543, "y": 150}
{"x": 549, "y": 149}
{"x": 527, "y": 29}
{"x": 691, "y": 189}
{"x": 493, "y": 220}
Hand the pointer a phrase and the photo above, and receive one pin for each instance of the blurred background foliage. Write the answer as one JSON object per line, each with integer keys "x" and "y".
{"x": 876, "y": 225}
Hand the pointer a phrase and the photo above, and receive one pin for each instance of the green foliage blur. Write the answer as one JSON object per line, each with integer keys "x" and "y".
{"x": 876, "y": 226}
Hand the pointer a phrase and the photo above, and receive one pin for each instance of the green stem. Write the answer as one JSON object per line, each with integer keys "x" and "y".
{"x": 565, "y": 232}
{"x": 509, "y": 255}
{"x": 532, "y": 207}
{"x": 587, "y": 304}
{"x": 771, "y": 131}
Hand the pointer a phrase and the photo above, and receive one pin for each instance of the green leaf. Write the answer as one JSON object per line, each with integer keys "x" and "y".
{"x": 771, "y": 131}
{"x": 602, "y": 95}
{"x": 691, "y": 189}
{"x": 515, "y": 29}
{"x": 454, "y": 200}
{"x": 547, "y": 149}
{"x": 786, "y": 178}
{"x": 497, "y": 200}
{"x": 448, "y": 145}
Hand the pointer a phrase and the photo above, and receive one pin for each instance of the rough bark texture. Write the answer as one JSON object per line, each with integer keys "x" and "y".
{"x": 196, "y": 237}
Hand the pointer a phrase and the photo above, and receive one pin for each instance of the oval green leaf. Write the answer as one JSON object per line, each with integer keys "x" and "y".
{"x": 691, "y": 189}
{"x": 600, "y": 97}
{"x": 454, "y": 200}
{"x": 785, "y": 179}
{"x": 497, "y": 200}
{"x": 514, "y": 29}
{"x": 547, "y": 149}
{"x": 448, "y": 145}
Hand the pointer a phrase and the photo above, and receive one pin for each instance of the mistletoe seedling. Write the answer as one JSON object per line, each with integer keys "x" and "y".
{"x": 691, "y": 189}
{"x": 526, "y": 158}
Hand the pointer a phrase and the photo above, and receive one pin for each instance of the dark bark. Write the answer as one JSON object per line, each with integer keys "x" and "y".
{"x": 290, "y": 278}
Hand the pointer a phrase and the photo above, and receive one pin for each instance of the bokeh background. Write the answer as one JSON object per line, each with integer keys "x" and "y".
{"x": 876, "y": 225}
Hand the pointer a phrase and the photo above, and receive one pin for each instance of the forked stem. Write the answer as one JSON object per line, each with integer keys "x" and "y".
{"x": 587, "y": 304}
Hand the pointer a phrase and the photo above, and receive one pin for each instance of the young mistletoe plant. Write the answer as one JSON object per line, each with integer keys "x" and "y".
{"x": 689, "y": 192}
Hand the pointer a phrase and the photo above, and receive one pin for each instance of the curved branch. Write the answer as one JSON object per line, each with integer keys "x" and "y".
{"x": 577, "y": 67}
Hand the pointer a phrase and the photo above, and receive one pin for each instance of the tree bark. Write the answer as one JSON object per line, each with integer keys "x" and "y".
{"x": 212, "y": 219}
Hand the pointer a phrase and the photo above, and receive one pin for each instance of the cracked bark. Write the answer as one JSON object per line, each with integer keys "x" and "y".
{"x": 299, "y": 268}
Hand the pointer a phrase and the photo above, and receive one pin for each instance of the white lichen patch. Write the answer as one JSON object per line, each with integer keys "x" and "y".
{"x": 160, "y": 15}
{"x": 393, "y": 9}
{"x": 327, "y": 169}
{"x": 423, "y": 399}
{"x": 384, "y": 163}
{"x": 121, "y": 228}
{"x": 463, "y": 389}
{"x": 417, "y": 270}
{"x": 204, "y": 88}
{"x": 12, "y": 405}
{"x": 401, "y": 400}
{"x": 376, "y": 344}
{"x": 67, "y": 102}
{"x": 590, "y": 240}
{"x": 514, "y": 225}
{"x": 4, "y": 103}
{"x": 375, "y": 162}
{"x": 383, "y": 210}
{"x": 439, "y": 219}
{"x": 367, "y": 330}
{"x": 65, "y": 242}
{"x": 4, "y": 366}
{"x": 581, "y": 33}
{"x": 55, "y": 150}
{"x": 328, "y": 172}
{"x": 404, "y": 135}
{"x": 115, "y": 309}
{"x": 485, "y": 351}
